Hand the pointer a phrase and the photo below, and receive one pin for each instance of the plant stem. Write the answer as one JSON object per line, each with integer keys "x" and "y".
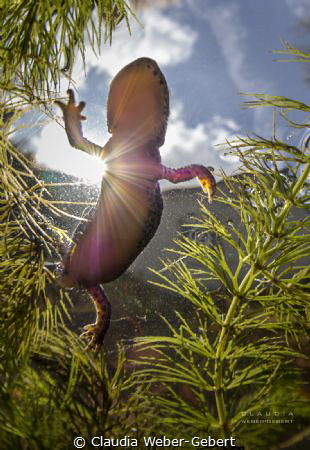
{"x": 295, "y": 190}
{"x": 219, "y": 388}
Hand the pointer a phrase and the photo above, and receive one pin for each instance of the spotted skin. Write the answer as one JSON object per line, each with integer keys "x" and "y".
{"x": 96, "y": 332}
{"x": 130, "y": 205}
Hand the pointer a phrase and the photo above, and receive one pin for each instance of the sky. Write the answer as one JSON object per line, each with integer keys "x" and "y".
{"x": 209, "y": 51}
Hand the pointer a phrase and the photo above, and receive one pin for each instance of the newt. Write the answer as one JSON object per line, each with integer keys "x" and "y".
{"x": 130, "y": 205}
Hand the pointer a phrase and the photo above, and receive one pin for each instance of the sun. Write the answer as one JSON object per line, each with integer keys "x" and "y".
{"x": 54, "y": 153}
{"x": 90, "y": 168}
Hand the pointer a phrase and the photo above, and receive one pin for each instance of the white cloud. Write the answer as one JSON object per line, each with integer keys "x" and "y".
{"x": 231, "y": 37}
{"x": 160, "y": 37}
{"x": 300, "y": 8}
{"x": 224, "y": 20}
{"x": 198, "y": 145}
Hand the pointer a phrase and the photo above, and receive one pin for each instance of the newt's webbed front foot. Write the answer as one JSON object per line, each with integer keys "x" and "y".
{"x": 94, "y": 333}
{"x": 73, "y": 117}
{"x": 71, "y": 108}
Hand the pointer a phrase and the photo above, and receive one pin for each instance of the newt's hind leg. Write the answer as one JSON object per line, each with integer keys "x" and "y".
{"x": 94, "y": 333}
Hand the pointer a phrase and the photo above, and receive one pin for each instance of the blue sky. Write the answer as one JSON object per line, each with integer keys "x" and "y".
{"x": 209, "y": 51}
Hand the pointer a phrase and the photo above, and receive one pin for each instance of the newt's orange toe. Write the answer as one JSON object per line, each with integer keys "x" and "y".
{"x": 208, "y": 186}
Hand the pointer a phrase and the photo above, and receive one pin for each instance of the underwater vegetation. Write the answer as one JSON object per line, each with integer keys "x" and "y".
{"x": 233, "y": 365}
{"x": 234, "y": 358}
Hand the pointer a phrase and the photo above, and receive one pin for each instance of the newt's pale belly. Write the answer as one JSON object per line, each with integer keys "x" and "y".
{"x": 127, "y": 216}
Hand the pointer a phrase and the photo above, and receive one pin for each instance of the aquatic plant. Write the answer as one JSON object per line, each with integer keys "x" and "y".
{"x": 241, "y": 352}
{"x": 40, "y": 39}
{"x": 236, "y": 365}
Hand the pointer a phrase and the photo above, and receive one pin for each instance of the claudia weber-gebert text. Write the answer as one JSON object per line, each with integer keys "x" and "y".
{"x": 163, "y": 441}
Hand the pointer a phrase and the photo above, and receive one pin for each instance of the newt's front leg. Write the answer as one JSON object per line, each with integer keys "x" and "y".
{"x": 205, "y": 177}
{"x": 72, "y": 117}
